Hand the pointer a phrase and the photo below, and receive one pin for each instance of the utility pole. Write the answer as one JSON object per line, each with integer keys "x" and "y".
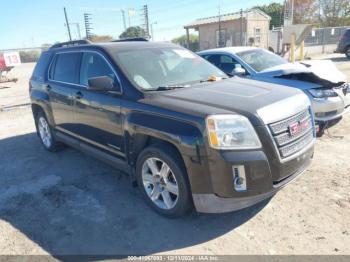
{"x": 67, "y": 23}
{"x": 219, "y": 36}
{"x": 152, "y": 32}
{"x": 88, "y": 24}
{"x": 288, "y": 12}
{"x": 146, "y": 20}
{"x": 78, "y": 30}
{"x": 123, "y": 15}
{"x": 241, "y": 17}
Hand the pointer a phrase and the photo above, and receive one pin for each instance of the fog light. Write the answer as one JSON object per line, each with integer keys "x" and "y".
{"x": 239, "y": 178}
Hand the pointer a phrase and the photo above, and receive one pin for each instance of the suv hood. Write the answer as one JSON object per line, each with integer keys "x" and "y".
{"x": 322, "y": 72}
{"x": 236, "y": 95}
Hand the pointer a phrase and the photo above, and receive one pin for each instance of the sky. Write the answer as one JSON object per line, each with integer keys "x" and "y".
{"x": 32, "y": 23}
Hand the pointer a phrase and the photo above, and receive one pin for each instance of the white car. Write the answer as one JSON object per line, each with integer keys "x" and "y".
{"x": 323, "y": 83}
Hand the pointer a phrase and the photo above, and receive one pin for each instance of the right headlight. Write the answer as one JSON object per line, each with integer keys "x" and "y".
{"x": 322, "y": 93}
{"x": 230, "y": 132}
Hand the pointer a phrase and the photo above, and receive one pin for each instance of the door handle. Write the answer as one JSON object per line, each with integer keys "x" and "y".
{"x": 46, "y": 87}
{"x": 79, "y": 95}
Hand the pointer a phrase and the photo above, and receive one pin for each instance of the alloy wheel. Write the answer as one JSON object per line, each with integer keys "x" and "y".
{"x": 44, "y": 132}
{"x": 160, "y": 183}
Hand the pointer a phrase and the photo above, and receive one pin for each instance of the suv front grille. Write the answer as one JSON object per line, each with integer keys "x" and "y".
{"x": 292, "y": 134}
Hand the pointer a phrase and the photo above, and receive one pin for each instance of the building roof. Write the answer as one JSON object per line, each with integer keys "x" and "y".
{"x": 224, "y": 17}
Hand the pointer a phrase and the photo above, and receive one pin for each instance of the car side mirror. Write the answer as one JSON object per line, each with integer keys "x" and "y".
{"x": 102, "y": 83}
{"x": 238, "y": 70}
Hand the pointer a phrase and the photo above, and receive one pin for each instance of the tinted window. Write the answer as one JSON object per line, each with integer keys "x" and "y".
{"x": 94, "y": 65}
{"x": 224, "y": 62}
{"x": 41, "y": 66}
{"x": 66, "y": 67}
{"x": 260, "y": 59}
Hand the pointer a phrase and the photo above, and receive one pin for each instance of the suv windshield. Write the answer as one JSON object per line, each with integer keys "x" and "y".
{"x": 151, "y": 68}
{"x": 260, "y": 59}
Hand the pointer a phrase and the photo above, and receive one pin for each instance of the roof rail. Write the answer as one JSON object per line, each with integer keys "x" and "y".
{"x": 132, "y": 39}
{"x": 71, "y": 43}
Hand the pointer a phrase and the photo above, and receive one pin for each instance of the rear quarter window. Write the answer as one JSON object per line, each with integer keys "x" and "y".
{"x": 41, "y": 67}
{"x": 65, "y": 68}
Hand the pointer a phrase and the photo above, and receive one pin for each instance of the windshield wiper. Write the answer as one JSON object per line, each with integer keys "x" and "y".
{"x": 169, "y": 87}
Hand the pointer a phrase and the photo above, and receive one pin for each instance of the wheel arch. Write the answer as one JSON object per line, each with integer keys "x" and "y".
{"x": 143, "y": 130}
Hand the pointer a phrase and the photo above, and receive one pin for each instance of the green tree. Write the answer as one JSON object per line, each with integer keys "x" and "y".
{"x": 45, "y": 47}
{"x": 101, "y": 38}
{"x": 133, "y": 31}
{"x": 275, "y": 11}
{"x": 334, "y": 12}
{"x": 29, "y": 56}
{"x": 305, "y": 11}
{"x": 182, "y": 40}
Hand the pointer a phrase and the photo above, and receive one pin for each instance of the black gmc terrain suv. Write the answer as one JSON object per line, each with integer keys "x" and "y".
{"x": 187, "y": 134}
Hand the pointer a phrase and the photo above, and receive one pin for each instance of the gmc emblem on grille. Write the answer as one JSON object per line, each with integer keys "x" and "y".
{"x": 298, "y": 127}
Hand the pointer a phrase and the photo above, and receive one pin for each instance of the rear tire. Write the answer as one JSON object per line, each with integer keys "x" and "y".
{"x": 45, "y": 133}
{"x": 163, "y": 182}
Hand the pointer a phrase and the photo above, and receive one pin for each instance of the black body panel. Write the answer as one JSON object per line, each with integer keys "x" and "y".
{"x": 117, "y": 126}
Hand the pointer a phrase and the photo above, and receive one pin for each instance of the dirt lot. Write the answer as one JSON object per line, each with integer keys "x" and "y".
{"x": 69, "y": 203}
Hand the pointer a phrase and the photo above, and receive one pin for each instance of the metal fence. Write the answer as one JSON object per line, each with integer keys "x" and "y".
{"x": 324, "y": 36}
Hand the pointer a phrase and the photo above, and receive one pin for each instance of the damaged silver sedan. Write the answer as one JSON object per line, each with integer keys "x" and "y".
{"x": 321, "y": 81}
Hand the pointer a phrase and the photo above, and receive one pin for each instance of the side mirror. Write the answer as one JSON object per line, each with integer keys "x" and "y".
{"x": 238, "y": 70}
{"x": 102, "y": 83}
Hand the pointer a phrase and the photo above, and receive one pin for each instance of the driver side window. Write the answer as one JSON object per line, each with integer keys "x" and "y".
{"x": 93, "y": 65}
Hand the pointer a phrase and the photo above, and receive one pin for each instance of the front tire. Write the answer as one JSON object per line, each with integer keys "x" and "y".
{"x": 347, "y": 52}
{"x": 163, "y": 182}
{"x": 45, "y": 133}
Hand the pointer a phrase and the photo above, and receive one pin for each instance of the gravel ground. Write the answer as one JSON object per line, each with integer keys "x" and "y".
{"x": 69, "y": 203}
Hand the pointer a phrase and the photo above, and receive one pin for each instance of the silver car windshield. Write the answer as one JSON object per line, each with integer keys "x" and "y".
{"x": 151, "y": 68}
{"x": 260, "y": 59}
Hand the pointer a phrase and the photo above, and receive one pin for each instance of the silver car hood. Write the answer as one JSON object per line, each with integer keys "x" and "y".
{"x": 323, "y": 69}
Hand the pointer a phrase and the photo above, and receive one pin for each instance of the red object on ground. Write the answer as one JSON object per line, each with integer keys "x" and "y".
{"x": 2, "y": 63}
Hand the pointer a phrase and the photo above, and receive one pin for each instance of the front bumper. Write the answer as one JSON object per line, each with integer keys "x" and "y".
{"x": 264, "y": 178}
{"x": 328, "y": 109}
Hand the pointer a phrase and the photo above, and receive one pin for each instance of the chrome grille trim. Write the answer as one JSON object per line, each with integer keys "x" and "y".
{"x": 296, "y": 146}
{"x": 283, "y": 125}
{"x": 286, "y": 138}
{"x": 286, "y": 144}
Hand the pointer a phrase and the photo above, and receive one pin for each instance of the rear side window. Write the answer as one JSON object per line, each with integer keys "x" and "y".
{"x": 66, "y": 68}
{"x": 41, "y": 67}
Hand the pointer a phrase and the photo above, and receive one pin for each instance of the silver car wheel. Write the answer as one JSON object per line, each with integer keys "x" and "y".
{"x": 160, "y": 183}
{"x": 44, "y": 132}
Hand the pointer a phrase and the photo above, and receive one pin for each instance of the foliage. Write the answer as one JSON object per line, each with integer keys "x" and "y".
{"x": 182, "y": 40}
{"x": 45, "y": 47}
{"x": 275, "y": 11}
{"x": 335, "y": 12}
{"x": 133, "y": 31}
{"x": 306, "y": 12}
{"x": 29, "y": 56}
{"x": 101, "y": 38}
{"x": 322, "y": 12}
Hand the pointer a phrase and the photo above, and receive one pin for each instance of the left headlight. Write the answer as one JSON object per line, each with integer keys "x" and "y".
{"x": 322, "y": 93}
{"x": 231, "y": 132}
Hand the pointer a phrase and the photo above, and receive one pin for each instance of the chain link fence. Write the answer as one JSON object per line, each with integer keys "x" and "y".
{"x": 324, "y": 36}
